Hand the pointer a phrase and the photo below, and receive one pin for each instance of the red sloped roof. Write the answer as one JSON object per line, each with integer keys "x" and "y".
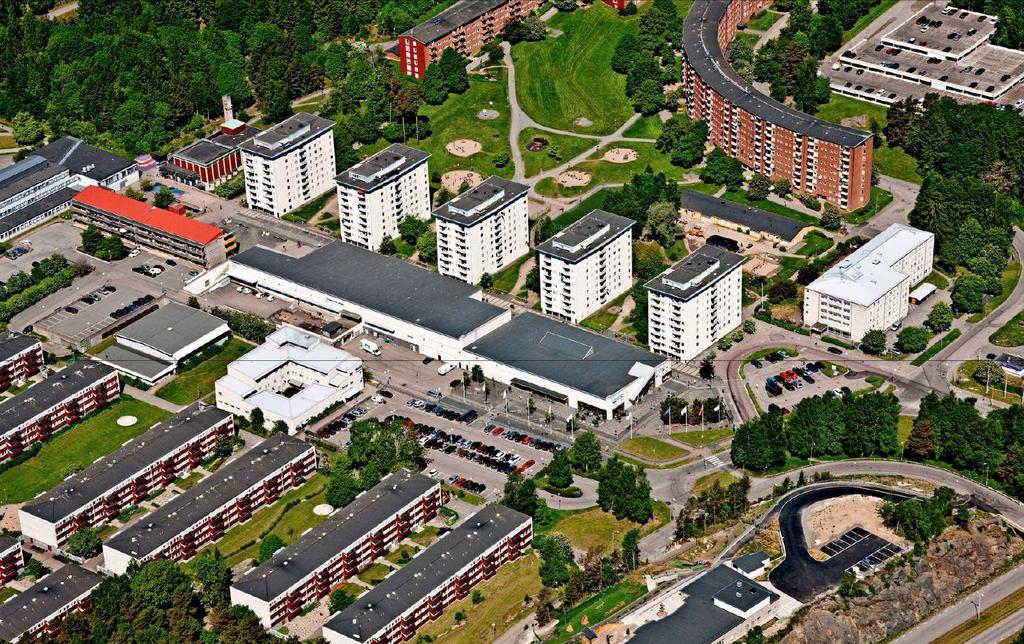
{"x": 147, "y": 215}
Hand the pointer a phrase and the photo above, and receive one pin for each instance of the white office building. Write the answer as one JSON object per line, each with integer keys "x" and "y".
{"x": 586, "y": 266}
{"x": 292, "y": 377}
{"x": 694, "y": 303}
{"x": 870, "y": 289}
{"x": 376, "y": 194}
{"x": 483, "y": 230}
{"x": 289, "y": 164}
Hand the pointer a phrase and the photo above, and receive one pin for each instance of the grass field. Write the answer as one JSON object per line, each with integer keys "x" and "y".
{"x": 567, "y": 147}
{"x": 596, "y": 609}
{"x": 645, "y": 127}
{"x": 697, "y": 438}
{"x": 903, "y": 426}
{"x": 602, "y": 172}
{"x": 502, "y": 605}
{"x": 740, "y": 197}
{"x": 559, "y": 80}
{"x": 570, "y": 217}
{"x": 374, "y": 574}
{"x": 879, "y": 199}
{"x": 815, "y": 243}
{"x": 190, "y": 386}
{"x": 604, "y": 318}
{"x": 80, "y": 445}
{"x": 1010, "y": 334}
{"x": 700, "y": 186}
{"x": 187, "y": 482}
{"x": 1011, "y": 275}
{"x": 892, "y": 162}
{"x": 595, "y": 528}
{"x": 7, "y": 142}
{"x": 935, "y": 347}
{"x": 867, "y": 19}
{"x": 425, "y": 536}
{"x": 456, "y": 118}
{"x": 750, "y": 39}
{"x": 938, "y": 279}
{"x": 762, "y": 21}
{"x": 505, "y": 279}
{"x": 6, "y": 593}
{"x": 652, "y": 449}
{"x": 708, "y": 480}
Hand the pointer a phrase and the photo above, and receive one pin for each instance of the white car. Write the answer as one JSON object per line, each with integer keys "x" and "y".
{"x": 445, "y": 369}
{"x": 377, "y": 398}
{"x": 135, "y": 252}
{"x": 259, "y": 295}
{"x": 270, "y": 298}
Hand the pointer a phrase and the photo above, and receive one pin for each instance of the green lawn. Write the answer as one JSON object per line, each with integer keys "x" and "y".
{"x": 815, "y": 243}
{"x": 583, "y": 208}
{"x": 867, "y": 19}
{"x": 80, "y": 445}
{"x": 6, "y": 593}
{"x": 903, "y": 426}
{"x": 505, "y": 280}
{"x": 186, "y": 482}
{"x": 7, "y": 142}
{"x": 1010, "y": 334}
{"x": 567, "y": 147}
{"x": 894, "y": 162}
{"x": 938, "y": 280}
{"x": 425, "y": 536}
{"x": 597, "y": 608}
{"x": 700, "y": 186}
{"x": 404, "y": 248}
{"x": 762, "y": 21}
{"x": 374, "y": 574}
{"x": 708, "y": 480}
{"x": 1009, "y": 281}
{"x": 190, "y": 386}
{"x": 750, "y": 39}
{"x": 697, "y": 438}
{"x": 602, "y": 172}
{"x": 879, "y": 199}
{"x": 463, "y": 495}
{"x": 456, "y": 118}
{"x": 645, "y": 127}
{"x": 740, "y": 196}
{"x": 602, "y": 319}
{"x": 595, "y": 528}
{"x": 559, "y": 80}
{"x": 652, "y": 449}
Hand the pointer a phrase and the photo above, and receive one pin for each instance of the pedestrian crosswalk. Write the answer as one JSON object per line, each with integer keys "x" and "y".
{"x": 714, "y": 461}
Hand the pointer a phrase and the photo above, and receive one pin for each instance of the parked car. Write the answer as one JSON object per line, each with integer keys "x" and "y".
{"x": 835, "y": 351}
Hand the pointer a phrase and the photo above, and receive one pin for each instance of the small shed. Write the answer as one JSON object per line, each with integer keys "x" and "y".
{"x": 922, "y": 293}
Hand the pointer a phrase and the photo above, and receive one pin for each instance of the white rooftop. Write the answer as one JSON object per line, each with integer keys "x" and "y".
{"x": 867, "y": 273}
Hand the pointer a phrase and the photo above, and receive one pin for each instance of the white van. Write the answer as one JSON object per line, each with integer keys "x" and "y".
{"x": 445, "y": 369}
{"x": 369, "y": 347}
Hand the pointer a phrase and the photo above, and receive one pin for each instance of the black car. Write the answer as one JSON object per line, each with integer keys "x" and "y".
{"x": 757, "y": 364}
{"x": 835, "y": 351}
{"x": 170, "y": 262}
{"x": 70, "y": 309}
{"x": 386, "y": 394}
{"x": 427, "y": 360}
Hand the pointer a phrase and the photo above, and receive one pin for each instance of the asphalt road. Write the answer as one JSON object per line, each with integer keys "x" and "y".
{"x": 800, "y": 575}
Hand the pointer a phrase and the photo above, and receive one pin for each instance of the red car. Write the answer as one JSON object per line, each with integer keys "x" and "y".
{"x": 526, "y": 440}
{"x": 525, "y": 466}
{"x": 497, "y": 431}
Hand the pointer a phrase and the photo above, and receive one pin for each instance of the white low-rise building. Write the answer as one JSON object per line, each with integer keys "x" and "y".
{"x": 292, "y": 377}
{"x": 695, "y": 303}
{"x": 585, "y": 266}
{"x": 289, "y": 164}
{"x": 376, "y": 194}
{"x": 870, "y": 289}
{"x": 483, "y": 230}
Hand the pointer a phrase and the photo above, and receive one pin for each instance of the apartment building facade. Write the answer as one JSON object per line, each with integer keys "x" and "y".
{"x": 340, "y": 547}
{"x": 12, "y": 560}
{"x": 36, "y": 614}
{"x": 466, "y": 27}
{"x": 179, "y": 529}
{"x": 483, "y": 230}
{"x": 54, "y": 403}
{"x": 444, "y": 573}
{"x": 21, "y": 356}
{"x": 816, "y": 157}
{"x": 695, "y": 303}
{"x": 147, "y": 225}
{"x": 289, "y": 164}
{"x": 376, "y": 194}
{"x": 98, "y": 493}
{"x": 585, "y": 266}
{"x": 870, "y": 288}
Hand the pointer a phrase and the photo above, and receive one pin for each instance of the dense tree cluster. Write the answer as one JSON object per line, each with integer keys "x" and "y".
{"x": 722, "y": 169}
{"x": 623, "y": 490}
{"x": 577, "y": 579}
{"x": 920, "y": 520}
{"x": 22, "y": 289}
{"x": 98, "y": 245}
{"x": 712, "y": 506}
{"x": 648, "y": 59}
{"x": 378, "y": 448}
{"x": 520, "y": 494}
{"x": 848, "y": 426}
{"x": 635, "y": 199}
{"x": 683, "y": 140}
{"x": 249, "y": 326}
{"x": 1010, "y": 28}
{"x": 760, "y": 443}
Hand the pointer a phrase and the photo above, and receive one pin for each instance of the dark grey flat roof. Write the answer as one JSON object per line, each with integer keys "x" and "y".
{"x": 203, "y": 152}
{"x": 133, "y": 362}
{"x": 11, "y": 344}
{"x": 338, "y": 532}
{"x": 751, "y": 562}
{"x": 20, "y": 178}
{"x": 172, "y": 327}
{"x": 699, "y": 270}
{"x": 234, "y": 140}
{"x": 381, "y": 168}
{"x": 385, "y": 284}
{"x": 586, "y": 236}
{"x": 700, "y": 44}
{"x": 64, "y": 384}
{"x": 81, "y": 489}
{"x": 482, "y": 201}
{"x": 746, "y": 216}
{"x": 461, "y": 13}
{"x": 157, "y": 528}
{"x": 563, "y": 353}
{"x": 76, "y": 155}
{"x": 7, "y": 543}
{"x": 290, "y": 133}
{"x": 427, "y": 571}
{"x": 12, "y": 220}
{"x": 698, "y": 620}
{"x": 46, "y": 597}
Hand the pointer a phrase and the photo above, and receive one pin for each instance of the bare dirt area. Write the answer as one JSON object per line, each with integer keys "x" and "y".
{"x": 620, "y": 155}
{"x": 573, "y": 179}
{"x": 826, "y": 520}
{"x": 452, "y": 181}
{"x": 463, "y": 147}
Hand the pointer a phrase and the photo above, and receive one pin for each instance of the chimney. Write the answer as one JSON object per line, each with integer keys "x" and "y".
{"x": 229, "y": 110}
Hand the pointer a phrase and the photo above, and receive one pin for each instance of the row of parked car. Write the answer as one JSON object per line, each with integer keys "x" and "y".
{"x": 487, "y": 455}
{"x": 790, "y": 379}
{"x": 466, "y": 484}
{"x": 523, "y": 438}
{"x": 338, "y": 424}
{"x": 442, "y": 411}
{"x": 17, "y": 252}
{"x": 132, "y": 306}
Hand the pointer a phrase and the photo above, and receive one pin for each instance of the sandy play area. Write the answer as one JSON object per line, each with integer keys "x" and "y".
{"x": 573, "y": 179}
{"x": 620, "y": 155}
{"x": 583, "y": 122}
{"x": 452, "y": 181}
{"x": 826, "y": 520}
{"x": 463, "y": 147}
{"x": 487, "y": 115}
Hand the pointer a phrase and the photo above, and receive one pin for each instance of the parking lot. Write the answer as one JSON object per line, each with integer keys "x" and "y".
{"x": 800, "y": 387}
{"x": 88, "y": 316}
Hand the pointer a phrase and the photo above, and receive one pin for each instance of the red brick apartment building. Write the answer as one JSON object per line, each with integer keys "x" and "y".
{"x": 346, "y": 543}
{"x": 816, "y": 157}
{"x": 202, "y": 515}
{"x": 21, "y": 356}
{"x": 37, "y": 613}
{"x": 51, "y": 405}
{"x": 11, "y": 558}
{"x": 98, "y": 493}
{"x": 437, "y": 577}
{"x": 211, "y": 161}
{"x": 466, "y": 26}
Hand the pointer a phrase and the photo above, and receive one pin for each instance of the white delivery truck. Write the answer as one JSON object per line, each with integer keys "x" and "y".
{"x": 369, "y": 346}
{"x": 445, "y": 369}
